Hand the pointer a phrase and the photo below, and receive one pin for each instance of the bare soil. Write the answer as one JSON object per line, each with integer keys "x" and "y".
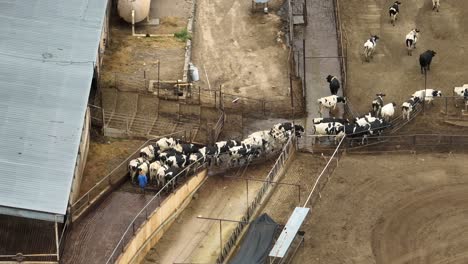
{"x": 238, "y": 49}
{"x": 408, "y": 209}
{"x": 392, "y": 71}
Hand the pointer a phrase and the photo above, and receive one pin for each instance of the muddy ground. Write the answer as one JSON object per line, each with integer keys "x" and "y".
{"x": 409, "y": 209}
{"x": 392, "y": 71}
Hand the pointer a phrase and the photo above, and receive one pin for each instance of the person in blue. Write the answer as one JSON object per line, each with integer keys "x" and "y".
{"x": 142, "y": 180}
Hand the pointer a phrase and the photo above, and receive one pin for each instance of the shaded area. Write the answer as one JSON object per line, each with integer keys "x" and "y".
{"x": 256, "y": 244}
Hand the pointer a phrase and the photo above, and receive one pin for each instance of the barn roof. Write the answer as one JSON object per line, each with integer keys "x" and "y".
{"x": 47, "y": 53}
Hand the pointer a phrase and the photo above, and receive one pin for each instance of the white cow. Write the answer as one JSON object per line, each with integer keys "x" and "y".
{"x": 133, "y": 166}
{"x": 427, "y": 95}
{"x": 461, "y": 92}
{"x": 408, "y": 106}
{"x": 329, "y": 129}
{"x": 411, "y": 39}
{"x": 148, "y": 152}
{"x": 330, "y": 102}
{"x": 165, "y": 143}
{"x": 388, "y": 111}
{"x": 369, "y": 47}
{"x": 153, "y": 170}
{"x": 364, "y": 121}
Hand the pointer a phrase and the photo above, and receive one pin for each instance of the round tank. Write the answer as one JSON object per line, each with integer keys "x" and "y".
{"x": 141, "y": 7}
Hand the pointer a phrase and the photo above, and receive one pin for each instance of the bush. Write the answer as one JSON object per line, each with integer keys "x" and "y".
{"x": 183, "y": 35}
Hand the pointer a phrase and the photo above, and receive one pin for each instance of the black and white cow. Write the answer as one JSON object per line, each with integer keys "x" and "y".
{"x": 148, "y": 152}
{"x": 393, "y": 11}
{"x": 153, "y": 170}
{"x": 427, "y": 95}
{"x": 284, "y": 130}
{"x": 177, "y": 160}
{"x": 461, "y": 92}
{"x": 369, "y": 47}
{"x": 378, "y": 126}
{"x": 164, "y": 144}
{"x": 167, "y": 173}
{"x": 242, "y": 152}
{"x": 319, "y": 120}
{"x": 194, "y": 157}
{"x": 411, "y": 39}
{"x": 186, "y": 148}
{"x": 388, "y": 111}
{"x": 354, "y": 131}
{"x": 166, "y": 154}
{"x": 377, "y": 104}
{"x": 330, "y": 102}
{"x": 408, "y": 106}
{"x": 365, "y": 120}
{"x": 435, "y": 5}
{"x": 425, "y": 60}
{"x": 262, "y": 140}
{"x": 334, "y": 84}
{"x": 137, "y": 165}
{"x": 328, "y": 129}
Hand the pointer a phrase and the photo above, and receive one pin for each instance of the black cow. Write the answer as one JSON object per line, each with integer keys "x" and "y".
{"x": 393, "y": 11}
{"x": 354, "y": 131}
{"x": 425, "y": 60}
{"x": 334, "y": 84}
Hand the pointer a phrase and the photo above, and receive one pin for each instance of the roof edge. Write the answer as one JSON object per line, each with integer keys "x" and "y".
{"x": 31, "y": 214}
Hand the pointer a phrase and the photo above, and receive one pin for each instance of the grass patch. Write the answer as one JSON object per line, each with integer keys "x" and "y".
{"x": 183, "y": 35}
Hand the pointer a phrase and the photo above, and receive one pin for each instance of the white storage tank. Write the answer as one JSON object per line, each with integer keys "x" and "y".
{"x": 141, "y": 7}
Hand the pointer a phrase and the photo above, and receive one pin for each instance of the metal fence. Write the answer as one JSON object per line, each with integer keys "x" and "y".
{"x": 288, "y": 149}
{"x": 109, "y": 182}
{"x": 151, "y": 206}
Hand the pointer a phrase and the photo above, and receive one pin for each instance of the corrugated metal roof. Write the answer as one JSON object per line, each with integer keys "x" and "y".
{"x": 47, "y": 54}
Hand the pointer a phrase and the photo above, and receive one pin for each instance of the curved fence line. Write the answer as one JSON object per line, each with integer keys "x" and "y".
{"x": 152, "y": 205}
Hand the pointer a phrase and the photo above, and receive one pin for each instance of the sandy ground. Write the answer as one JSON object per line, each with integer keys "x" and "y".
{"x": 409, "y": 209}
{"x": 238, "y": 49}
{"x": 197, "y": 241}
{"x": 392, "y": 71}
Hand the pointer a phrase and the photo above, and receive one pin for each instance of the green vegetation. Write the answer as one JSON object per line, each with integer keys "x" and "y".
{"x": 183, "y": 35}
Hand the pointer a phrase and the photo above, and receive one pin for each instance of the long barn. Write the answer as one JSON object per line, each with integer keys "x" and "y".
{"x": 50, "y": 51}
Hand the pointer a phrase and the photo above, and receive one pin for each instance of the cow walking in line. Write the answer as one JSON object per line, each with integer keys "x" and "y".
{"x": 411, "y": 39}
{"x": 334, "y": 84}
{"x": 393, "y": 11}
{"x": 369, "y": 47}
{"x": 377, "y": 104}
{"x": 435, "y": 5}
{"x": 425, "y": 60}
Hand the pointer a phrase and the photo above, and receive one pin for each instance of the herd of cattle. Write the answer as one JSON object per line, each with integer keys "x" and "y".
{"x": 167, "y": 157}
{"x": 376, "y": 121}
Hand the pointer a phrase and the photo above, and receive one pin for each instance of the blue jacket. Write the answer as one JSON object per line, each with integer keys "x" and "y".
{"x": 142, "y": 180}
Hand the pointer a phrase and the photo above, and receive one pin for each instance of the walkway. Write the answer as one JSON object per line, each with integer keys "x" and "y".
{"x": 93, "y": 237}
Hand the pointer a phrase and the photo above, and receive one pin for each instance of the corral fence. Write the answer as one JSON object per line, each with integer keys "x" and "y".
{"x": 109, "y": 182}
{"x": 288, "y": 150}
{"x": 152, "y": 205}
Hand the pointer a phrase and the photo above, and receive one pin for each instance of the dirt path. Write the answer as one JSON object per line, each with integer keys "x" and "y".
{"x": 239, "y": 50}
{"x": 192, "y": 240}
{"x": 409, "y": 209}
{"x": 392, "y": 71}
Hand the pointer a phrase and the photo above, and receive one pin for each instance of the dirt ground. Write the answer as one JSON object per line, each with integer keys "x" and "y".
{"x": 392, "y": 71}
{"x": 192, "y": 240}
{"x": 409, "y": 209}
{"x": 104, "y": 155}
{"x": 238, "y": 49}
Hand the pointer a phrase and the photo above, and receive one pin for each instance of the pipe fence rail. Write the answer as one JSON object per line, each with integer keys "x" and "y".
{"x": 110, "y": 181}
{"x": 152, "y": 205}
{"x": 288, "y": 149}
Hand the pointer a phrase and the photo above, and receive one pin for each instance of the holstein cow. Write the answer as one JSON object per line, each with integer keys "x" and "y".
{"x": 166, "y": 154}
{"x": 164, "y": 144}
{"x": 330, "y": 102}
{"x": 262, "y": 140}
{"x": 408, "y": 106}
{"x": 319, "y": 120}
{"x": 238, "y": 152}
{"x": 393, "y": 11}
{"x": 282, "y": 131}
{"x": 167, "y": 173}
{"x": 388, "y": 111}
{"x": 334, "y": 84}
{"x": 378, "y": 126}
{"x": 377, "y": 104}
{"x": 427, "y": 95}
{"x": 365, "y": 120}
{"x": 328, "y": 129}
{"x": 153, "y": 171}
{"x": 137, "y": 165}
{"x": 435, "y": 5}
{"x": 461, "y": 92}
{"x": 186, "y": 148}
{"x": 148, "y": 152}
{"x": 425, "y": 60}
{"x": 369, "y": 47}
{"x": 411, "y": 39}
{"x": 353, "y": 131}
{"x": 177, "y": 160}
